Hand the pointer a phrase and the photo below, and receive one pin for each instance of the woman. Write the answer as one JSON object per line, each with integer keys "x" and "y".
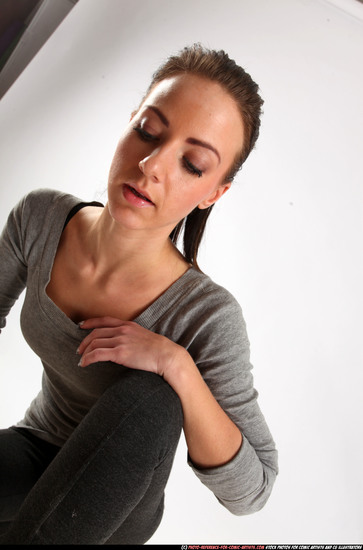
{"x": 136, "y": 342}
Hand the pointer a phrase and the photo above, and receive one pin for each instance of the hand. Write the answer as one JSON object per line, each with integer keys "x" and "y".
{"x": 126, "y": 343}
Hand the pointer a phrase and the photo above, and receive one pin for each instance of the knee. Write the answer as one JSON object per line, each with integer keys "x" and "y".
{"x": 162, "y": 407}
{"x": 147, "y": 400}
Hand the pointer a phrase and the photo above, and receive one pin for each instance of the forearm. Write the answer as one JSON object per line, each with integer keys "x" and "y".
{"x": 212, "y": 438}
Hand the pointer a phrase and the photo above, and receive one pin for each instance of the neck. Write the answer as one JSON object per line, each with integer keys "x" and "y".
{"x": 113, "y": 248}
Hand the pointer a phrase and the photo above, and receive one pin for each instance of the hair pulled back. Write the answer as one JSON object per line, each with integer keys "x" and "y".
{"x": 217, "y": 67}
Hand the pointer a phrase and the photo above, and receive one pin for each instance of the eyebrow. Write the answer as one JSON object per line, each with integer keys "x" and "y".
{"x": 162, "y": 117}
{"x": 195, "y": 141}
{"x": 192, "y": 141}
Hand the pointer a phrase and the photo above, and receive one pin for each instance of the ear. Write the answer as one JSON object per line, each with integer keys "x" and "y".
{"x": 216, "y": 195}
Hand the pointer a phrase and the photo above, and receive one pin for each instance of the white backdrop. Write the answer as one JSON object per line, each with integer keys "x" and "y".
{"x": 286, "y": 240}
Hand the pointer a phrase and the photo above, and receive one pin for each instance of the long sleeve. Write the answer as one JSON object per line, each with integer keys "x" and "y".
{"x": 13, "y": 268}
{"x": 205, "y": 319}
{"x": 221, "y": 350}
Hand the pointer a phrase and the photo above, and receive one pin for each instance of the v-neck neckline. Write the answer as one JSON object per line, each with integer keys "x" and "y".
{"x": 147, "y": 318}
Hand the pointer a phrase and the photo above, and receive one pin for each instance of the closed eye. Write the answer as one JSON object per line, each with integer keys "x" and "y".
{"x": 189, "y": 166}
{"x": 144, "y": 135}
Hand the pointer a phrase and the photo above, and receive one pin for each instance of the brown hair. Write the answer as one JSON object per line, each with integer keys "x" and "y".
{"x": 218, "y": 67}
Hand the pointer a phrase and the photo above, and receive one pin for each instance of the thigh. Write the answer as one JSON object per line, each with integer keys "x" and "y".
{"x": 23, "y": 459}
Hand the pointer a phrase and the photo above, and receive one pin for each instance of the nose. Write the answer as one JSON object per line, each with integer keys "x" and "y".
{"x": 151, "y": 167}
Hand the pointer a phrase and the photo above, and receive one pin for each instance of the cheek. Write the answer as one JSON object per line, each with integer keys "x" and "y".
{"x": 115, "y": 167}
{"x": 187, "y": 196}
{"x": 121, "y": 158}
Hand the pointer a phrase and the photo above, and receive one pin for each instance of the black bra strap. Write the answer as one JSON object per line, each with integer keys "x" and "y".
{"x": 78, "y": 207}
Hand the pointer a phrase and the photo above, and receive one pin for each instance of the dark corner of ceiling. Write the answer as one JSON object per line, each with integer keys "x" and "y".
{"x": 25, "y": 26}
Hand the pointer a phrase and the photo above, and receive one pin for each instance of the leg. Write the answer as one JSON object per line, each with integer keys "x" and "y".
{"x": 108, "y": 480}
{"x": 23, "y": 459}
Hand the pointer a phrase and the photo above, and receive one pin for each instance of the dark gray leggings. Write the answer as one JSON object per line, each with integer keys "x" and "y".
{"x": 106, "y": 484}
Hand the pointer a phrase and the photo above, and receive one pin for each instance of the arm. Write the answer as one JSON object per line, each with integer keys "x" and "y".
{"x": 13, "y": 268}
{"x": 23, "y": 238}
{"x": 219, "y": 403}
{"x": 220, "y": 347}
{"x": 212, "y": 438}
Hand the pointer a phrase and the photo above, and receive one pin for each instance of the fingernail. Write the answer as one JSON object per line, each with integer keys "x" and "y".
{"x": 77, "y": 351}
{"x": 80, "y": 363}
{"x": 80, "y": 323}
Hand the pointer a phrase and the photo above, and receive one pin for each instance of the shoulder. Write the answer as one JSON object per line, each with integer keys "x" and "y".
{"x": 40, "y": 201}
{"x": 41, "y": 208}
{"x": 210, "y": 298}
{"x": 37, "y": 215}
{"x": 203, "y": 315}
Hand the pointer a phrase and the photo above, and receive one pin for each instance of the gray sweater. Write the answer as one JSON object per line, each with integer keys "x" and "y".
{"x": 194, "y": 312}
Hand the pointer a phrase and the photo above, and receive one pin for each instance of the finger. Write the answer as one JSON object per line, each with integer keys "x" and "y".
{"x": 97, "y": 355}
{"x": 98, "y": 322}
{"x": 95, "y": 334}
{"x": 100, "y": 343}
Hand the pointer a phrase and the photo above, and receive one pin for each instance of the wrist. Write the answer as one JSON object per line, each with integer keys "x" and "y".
{"x": 179, "y": 368}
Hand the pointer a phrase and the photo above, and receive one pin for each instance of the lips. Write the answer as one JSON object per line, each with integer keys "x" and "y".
{"x": 144, "y": 195}
{"x": 139, "y": 198}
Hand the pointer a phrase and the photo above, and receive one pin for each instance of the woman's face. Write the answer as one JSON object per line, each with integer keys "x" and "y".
{"x": 174, "y": 154}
